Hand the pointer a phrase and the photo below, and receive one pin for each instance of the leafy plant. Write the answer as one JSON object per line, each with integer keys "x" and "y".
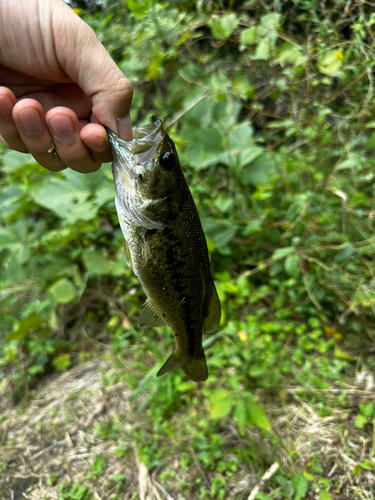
{"x": 271, "y": 109}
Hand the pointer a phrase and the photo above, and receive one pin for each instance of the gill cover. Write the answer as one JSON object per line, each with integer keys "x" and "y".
{"x": 131, "y": 160}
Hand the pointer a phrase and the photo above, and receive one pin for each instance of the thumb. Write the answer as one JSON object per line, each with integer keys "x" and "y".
{"x": 85, "y": 60}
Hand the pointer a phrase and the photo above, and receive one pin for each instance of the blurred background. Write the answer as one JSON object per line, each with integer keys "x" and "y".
{"x": 271, "y": 107}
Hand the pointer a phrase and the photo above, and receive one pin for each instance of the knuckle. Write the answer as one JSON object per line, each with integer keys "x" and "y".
{"x": 124, "y": 86}
{"x": 15, "y": 145}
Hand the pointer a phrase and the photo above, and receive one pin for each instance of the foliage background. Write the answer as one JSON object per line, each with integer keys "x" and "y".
{"x": 271, "y": 109}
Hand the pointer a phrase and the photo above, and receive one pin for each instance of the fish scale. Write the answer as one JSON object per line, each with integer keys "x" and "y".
{"x": 166, "y": 244}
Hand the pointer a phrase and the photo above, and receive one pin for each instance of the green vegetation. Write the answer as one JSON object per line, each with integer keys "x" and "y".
{"x": 271, "y": 109}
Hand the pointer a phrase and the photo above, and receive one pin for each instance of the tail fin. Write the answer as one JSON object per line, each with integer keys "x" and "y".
{"x": 195, "y": 368}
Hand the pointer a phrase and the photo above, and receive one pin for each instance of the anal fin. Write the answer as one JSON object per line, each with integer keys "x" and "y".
{"x": 171, "y": 364}
{"x": 213, "y": 316}
{"x": 149, "y": 317}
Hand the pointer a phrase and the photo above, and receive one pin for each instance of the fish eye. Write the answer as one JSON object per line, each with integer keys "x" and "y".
{"x": 168, "y": 160}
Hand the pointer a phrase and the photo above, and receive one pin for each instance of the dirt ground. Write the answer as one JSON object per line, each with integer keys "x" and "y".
{"x": 54, "y": 441}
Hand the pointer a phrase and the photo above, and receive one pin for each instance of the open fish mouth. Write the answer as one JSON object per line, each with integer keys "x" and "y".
{"x": 138, "y": 152}
{"x": 147, "y": 136}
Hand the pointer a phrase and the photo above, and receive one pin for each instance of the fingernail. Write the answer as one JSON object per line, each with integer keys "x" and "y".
{"x": 31, "y": 121}
{"x": 6, "y": 107}
{"x": 124, "y": 128}
{"x": 62, "y": 128}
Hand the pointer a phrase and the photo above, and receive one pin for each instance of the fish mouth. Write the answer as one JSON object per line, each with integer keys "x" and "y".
{"x": 144, "y": 138}
{"x": 147, "y": 136}
{"x": 140, "y": 150}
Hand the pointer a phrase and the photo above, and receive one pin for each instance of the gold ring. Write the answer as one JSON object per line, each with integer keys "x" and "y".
{"x": 52, "y": 149}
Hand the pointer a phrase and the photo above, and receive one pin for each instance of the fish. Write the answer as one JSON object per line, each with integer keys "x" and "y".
{"x": 165, "y": 244}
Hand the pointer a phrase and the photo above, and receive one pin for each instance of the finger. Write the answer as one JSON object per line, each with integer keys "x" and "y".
{"x": 110, "y": 91}
{"x": 29, "y": 118}
{"x": 8, "y": 129}
{"x": 65, "y": 129}
{"x": 66, "y": 95}
{"x": 96, "y": 139}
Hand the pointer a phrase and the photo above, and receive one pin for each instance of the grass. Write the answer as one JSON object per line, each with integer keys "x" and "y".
{"x": 87, "y": 434}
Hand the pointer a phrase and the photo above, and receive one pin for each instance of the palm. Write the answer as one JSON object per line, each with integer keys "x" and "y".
{"x": 49, "y": 93}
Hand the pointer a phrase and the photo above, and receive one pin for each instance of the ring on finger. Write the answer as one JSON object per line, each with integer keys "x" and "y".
{"x": 52, "y": 149}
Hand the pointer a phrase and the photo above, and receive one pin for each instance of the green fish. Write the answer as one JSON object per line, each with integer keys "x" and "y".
{"x": 165, "y": 244}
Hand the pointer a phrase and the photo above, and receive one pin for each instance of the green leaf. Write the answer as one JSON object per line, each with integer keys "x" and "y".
{"x": 203, "y": 151}
{"x": 95, "y": 263}
{"x": 242, "y": 87}
{"x": 357, "y": 469}
{"x": 290, "y": 53}
{"x": 254, "y": 226}
{"x": 222, "y": 27}
{"x": 354, "y": 161}
{"x": 344, "y": 254}
{"x": 9, "y": 238}
{"x": 249, "y": 36}
{"x": 71, "y": 198}
{"x": 283, "y": 252}
{"x": 13, "y": 161}
{"x": 299, "y": 485}
{"x": 367, "y": 464}
{"x": 25, "y": 326}
{"x": 330, "y": 62}
{"x": 367, "y": 409}
{"x": 270, "y": 21}
{"x": 258, "y": 417}
{"x": 262, "y": 52}
{"x": 360, "y": 421}
{"x": 9, "y": 196}
{"x": 262, "y": 496}
{"x": 308, "y": 476}
{"x": 324, "y": 495}
{"x": 221, "y": 402}
{"x": 240, "y": 413}
{"x": 138, "y": 7}
{"x": 291, "y": 265}
{"x": 63, "y": 291}
{"x": 260, "y": 171}
{"x": 339, "y": 354}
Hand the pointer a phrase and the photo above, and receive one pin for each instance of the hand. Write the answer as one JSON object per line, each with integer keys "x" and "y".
{"x": 57, "y": 84}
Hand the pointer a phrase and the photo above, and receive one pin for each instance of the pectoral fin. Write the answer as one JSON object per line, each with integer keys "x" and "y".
{"x": 213, "y": 315}
{"x": 149, "y": 317}
{"x": 128, "y": 256}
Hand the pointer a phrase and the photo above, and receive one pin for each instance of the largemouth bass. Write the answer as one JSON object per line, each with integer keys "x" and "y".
{"x": 165, "y": 244}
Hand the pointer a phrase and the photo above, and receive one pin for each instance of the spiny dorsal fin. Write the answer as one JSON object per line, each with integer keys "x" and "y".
{"x": 149, "y": 317}
{"x": 212, "y": 319}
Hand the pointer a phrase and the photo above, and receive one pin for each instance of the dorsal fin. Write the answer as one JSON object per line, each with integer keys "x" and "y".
{"x": 149, "y": 317}
{"x": 213, "y": 314}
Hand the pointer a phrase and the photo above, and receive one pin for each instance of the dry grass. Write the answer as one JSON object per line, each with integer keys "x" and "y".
{"x": 56, "y": 435}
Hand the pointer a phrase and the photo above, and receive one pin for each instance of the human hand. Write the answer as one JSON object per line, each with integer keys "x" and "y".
{"x": 57, "y": 84}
